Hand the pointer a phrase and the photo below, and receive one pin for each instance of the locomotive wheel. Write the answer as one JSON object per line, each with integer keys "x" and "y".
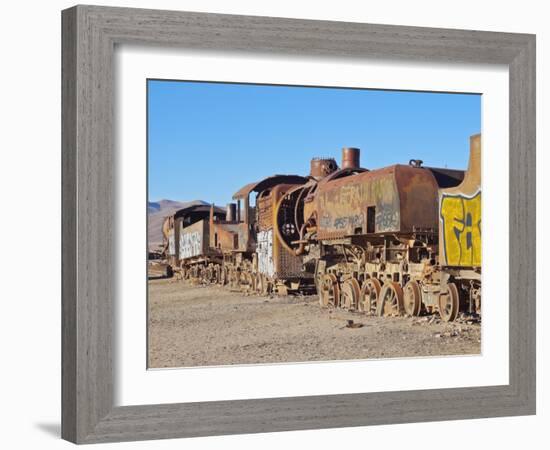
{"x": 213, "y": 277}
{"x": 261, "y": 284}
{"x": 329, "y": 292}
{"x": 477, "y": 300}
{"x": 351, "y": 292}
{"x": 449, "y": 302}
{"x": 233, "y": 278}
{"x": 412, "y": 298}
{"x": 251, "y": 282}
{"x": 208, "y": 274}
{"x": 242, "y": 282}
{"x": 247, "y": 282}
{"x": 390, "y": 300}
{"x": 370, "y": 292}
{"x": 258, "y": 283}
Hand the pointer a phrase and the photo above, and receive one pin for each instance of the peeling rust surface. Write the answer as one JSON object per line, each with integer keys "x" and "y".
{"x": 417, "y": 190}
{"x": 398, "y": 197}
{"x": 341, "y": 204}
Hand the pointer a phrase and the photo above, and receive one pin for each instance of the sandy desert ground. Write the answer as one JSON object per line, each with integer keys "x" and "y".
{"x": 192, "y": 325}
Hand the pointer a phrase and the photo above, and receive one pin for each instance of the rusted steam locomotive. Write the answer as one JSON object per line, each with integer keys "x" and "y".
{"x": 401, "y": 239}
{"x": 238, "y": 246}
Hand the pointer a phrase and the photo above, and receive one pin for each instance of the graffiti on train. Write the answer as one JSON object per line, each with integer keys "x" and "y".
{"x": 190, "y": 244}
{"x": 265, "y": 254}
{"x": 461, "y": 222}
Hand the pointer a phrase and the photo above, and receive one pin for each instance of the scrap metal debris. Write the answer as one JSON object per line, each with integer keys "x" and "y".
{"x": 352, "y": 324}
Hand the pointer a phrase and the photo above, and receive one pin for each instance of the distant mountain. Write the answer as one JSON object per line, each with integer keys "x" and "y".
{"x": 157, "y": 211}
{"x": 163, "y": 205}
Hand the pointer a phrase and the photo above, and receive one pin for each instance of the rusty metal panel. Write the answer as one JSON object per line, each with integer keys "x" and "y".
{"x": 225, "y": 233}
{"x": 265, "y": 212}
{"x": 395, "y": 199}
{"x": 460, "y": 215}
{"x": 417, "y": 188}
{"x": 287, "y": 265}
{"x": 342, "y": 203}
{"x": 233, "y": 237}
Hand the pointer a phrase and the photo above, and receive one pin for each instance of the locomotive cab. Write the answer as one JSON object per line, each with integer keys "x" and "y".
{"x": 240, "y": 238}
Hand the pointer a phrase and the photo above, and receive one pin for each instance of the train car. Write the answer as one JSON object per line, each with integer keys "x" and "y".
{"x": 186, "y": 240}
{"x": 253, "y": 259}
{"x": 372, "y": 237}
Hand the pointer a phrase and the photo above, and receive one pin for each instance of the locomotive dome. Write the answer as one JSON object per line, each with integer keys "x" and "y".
{"x": 320, "y": 167}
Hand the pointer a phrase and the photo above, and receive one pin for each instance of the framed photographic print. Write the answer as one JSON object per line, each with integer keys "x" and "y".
{"x": 278, "y": 224}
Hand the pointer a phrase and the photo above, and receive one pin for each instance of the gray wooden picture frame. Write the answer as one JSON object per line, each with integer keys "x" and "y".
{"x": 90, "y": 34}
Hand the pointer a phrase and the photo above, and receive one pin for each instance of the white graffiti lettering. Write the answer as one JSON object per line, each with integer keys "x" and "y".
{"x": 190, "y": 244}
{"x": 264, "y": 249}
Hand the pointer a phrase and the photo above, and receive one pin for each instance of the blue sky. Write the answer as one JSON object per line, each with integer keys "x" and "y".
{"x": 207, "y": 140}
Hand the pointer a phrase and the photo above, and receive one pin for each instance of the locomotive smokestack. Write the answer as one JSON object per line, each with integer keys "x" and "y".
{"x": 351, "y": 158}
{"x": 231, "y": 212}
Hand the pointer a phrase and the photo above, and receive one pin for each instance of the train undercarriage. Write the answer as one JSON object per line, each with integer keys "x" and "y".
{"x": 394, "y": 276}
{"x": 384, "y": 277}
{"x": 240, "y": 273}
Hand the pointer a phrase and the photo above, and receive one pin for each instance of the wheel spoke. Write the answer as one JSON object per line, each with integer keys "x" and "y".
{"x": 449, "y": 302}
{"x": 391, "y": 299}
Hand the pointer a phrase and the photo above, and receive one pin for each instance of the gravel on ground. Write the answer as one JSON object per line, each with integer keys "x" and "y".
{"x": 196, "y": 325}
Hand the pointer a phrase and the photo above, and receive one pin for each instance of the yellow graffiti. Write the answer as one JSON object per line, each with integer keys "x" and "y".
{"x": 461, "y": 223}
